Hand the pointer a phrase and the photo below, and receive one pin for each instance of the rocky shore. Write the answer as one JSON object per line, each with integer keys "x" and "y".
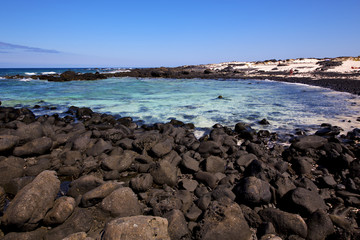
{"x": 92, "y": 176}
{"x": 337, "y": 73}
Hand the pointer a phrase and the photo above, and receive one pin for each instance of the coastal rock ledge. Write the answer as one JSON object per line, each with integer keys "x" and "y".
{"x": 91, "y": 176}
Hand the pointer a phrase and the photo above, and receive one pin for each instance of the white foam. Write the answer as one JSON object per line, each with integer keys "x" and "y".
{"x": 26, "y": 79}
{"x": 48, "y": 73}
{"x": 30, "y": 73}
{"x": 117, "y": 71}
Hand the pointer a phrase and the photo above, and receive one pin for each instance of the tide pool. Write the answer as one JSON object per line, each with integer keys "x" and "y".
{"x": 285, "y": 106}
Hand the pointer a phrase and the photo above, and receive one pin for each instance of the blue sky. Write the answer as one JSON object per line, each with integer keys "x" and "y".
{"x": 43, "y": 33}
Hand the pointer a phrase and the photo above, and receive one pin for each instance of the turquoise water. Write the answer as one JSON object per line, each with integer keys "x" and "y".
{"x": 286, "y": 106}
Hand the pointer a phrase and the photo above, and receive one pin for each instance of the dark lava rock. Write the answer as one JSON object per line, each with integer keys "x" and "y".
{"x": 285, "y": 223}
{"x": 164, "y": 173}
{"x": 83, "y": 185}
{"x": 224, "y": 220}
{"x": 142, "y": 182}
{"x": 207, "y": 178}
{"x": 253, "y": 191}
{"x": 35, "y": 147}
{"x": 319, "y": 225}
{"x": 99, "y": 147}
{"x": 264, "y": 122}
{"x": 209, "y": 148}
{"x": 122, "y": 202}
{"x": 312, "y": 141}
{"x": 214, "y": 164}
{"x": 178, "y": 228}
{"x": 10, "y": 168}
{"x": 7, "y": 143}
{"x": 31, "y": 204}
{"x": 97, "y": 194}
{"x": 304, "y": 201}
{"x": 119, "y": 163}
{"x": 62, "y": 209}
{"x": 146, "y": 141}
{"x": 162, "y": 148}
{"x": 79, "y": 221}
{"x": 189, "y": 164}
{"x": 137, "y": 227}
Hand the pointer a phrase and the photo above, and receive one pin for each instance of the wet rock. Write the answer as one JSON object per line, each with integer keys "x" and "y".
{"x": 10, "y": 168}
{"x": 162, "y": 148}
{"x": 312, "y": 141}
{"x": 142, "y": 182}
{"x": 164, "y": 173}
{"x": 30, "y": 205}
{"x": 99, "y": 147}
{"x": 178, "y": 229}
{"x": 253, "y": 191}
{"x": 7, "y": 143}
{"x": 214, "y": 164}
{"x": 137, "y": 227}
{"x": 96, "y": 195}
{"x": 35, "y": 147}
{"x": 207, "y": 178}
{"x": 264, "y": 122}
{"x": 122, "y": 202}
{"x": 83, "y": 185}
{"x": 319, "y": 226}
{"x": 223, "y": 220}
{"x": 285, "y": 223}
{"x": 84, "y": 113}
{"x": 62, "y": 209}
{"x": 79, "y": 221}
{"x": 33, "y": 235}
{"x": 304, "y": 201}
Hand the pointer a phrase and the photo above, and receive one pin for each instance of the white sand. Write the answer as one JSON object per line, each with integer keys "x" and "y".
{"x": 300, "y": 66}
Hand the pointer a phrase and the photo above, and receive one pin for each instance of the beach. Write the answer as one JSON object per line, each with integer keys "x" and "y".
{"x": 214, "y": 151}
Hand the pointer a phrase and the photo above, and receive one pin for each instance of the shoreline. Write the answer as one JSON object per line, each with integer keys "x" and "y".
{"x": 76, "y": 166}
{"x": 337, "y": 74}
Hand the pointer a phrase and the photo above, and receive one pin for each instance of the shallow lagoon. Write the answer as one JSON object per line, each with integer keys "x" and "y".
{"x": 286, "y": 106}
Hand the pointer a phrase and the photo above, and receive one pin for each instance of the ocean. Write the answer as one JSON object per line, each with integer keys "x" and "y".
{"x": 286, "y": 106}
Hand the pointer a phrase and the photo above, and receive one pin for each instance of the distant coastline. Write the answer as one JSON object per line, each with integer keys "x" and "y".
{"x": 340, "y": 74}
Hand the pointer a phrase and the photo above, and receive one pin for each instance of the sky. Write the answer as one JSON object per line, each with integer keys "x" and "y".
{"x": 114, "y": 33}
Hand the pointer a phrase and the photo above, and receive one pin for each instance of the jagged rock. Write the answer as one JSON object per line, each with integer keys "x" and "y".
{"x": 33, "y": 235}
{"x": 164, "y": 173}
{"x": 96, "y": 195}
{"x": 35, "y": 147}
{"x": 146, "y": 141}
{"x": 285, "y": 223}
{"x": 224, "y": 220}
{"x": 141, "y": 182}
{"x": 79, "y": 221}
{"x": 30, "y": 205}
{"x": 62, "y": 209}
{"x": 99, "y": 147}
{"x": 10, "y": 168}
{"x": 178, "y": 229}
{"x": 319, "y": 225}
{"x": 162, "y": 148}
{"x": 214, "y": 164}
{"x": 122, "y": 202}
{"x": 119, "y": 163}
{"x": 137, "y": 227}
{"x": 207, "y": 178}
{"x": 189, "y": 164}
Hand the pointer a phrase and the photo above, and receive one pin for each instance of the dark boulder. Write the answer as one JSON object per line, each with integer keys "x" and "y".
{"x": 307, "y": 142}
{"x": 32, "y": 202}
{"x": 164, "y": 173}
{"x": 178, "y": 228}
{"x": 253, "y": 191}
{"x": 208, "y": 148}
{"x": 35, "y": 147}
{"x": 319, "y": 225}
{"x": 142, "y": 182}
{"x": 285, "y": 223}
{"x": 7, "y": 143}
{"x": 10, "y": 168}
